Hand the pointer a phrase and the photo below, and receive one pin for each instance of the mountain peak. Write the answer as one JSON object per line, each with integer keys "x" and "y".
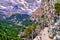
{"x": 19, "y": 6}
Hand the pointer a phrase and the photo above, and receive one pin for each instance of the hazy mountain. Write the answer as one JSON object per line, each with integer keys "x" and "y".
{"x": 20, "y": 5}
{"x": 18, "y": 17}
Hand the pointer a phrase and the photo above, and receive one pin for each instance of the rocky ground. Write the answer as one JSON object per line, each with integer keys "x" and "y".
{"x": 43, "y": 35}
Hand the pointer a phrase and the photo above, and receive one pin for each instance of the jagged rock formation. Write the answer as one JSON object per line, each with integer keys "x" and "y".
{"x": 47, "y": 9}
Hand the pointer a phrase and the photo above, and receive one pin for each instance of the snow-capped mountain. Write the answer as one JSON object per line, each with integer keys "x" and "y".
{"x": 20, "y": 6}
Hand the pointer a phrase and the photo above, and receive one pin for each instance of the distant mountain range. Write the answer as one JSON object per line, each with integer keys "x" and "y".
{"x": 2, "y": 15}
{"x": 18, "y": 10}
{"x": 18, "y": 17}
{"x": 20, "y": 5}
